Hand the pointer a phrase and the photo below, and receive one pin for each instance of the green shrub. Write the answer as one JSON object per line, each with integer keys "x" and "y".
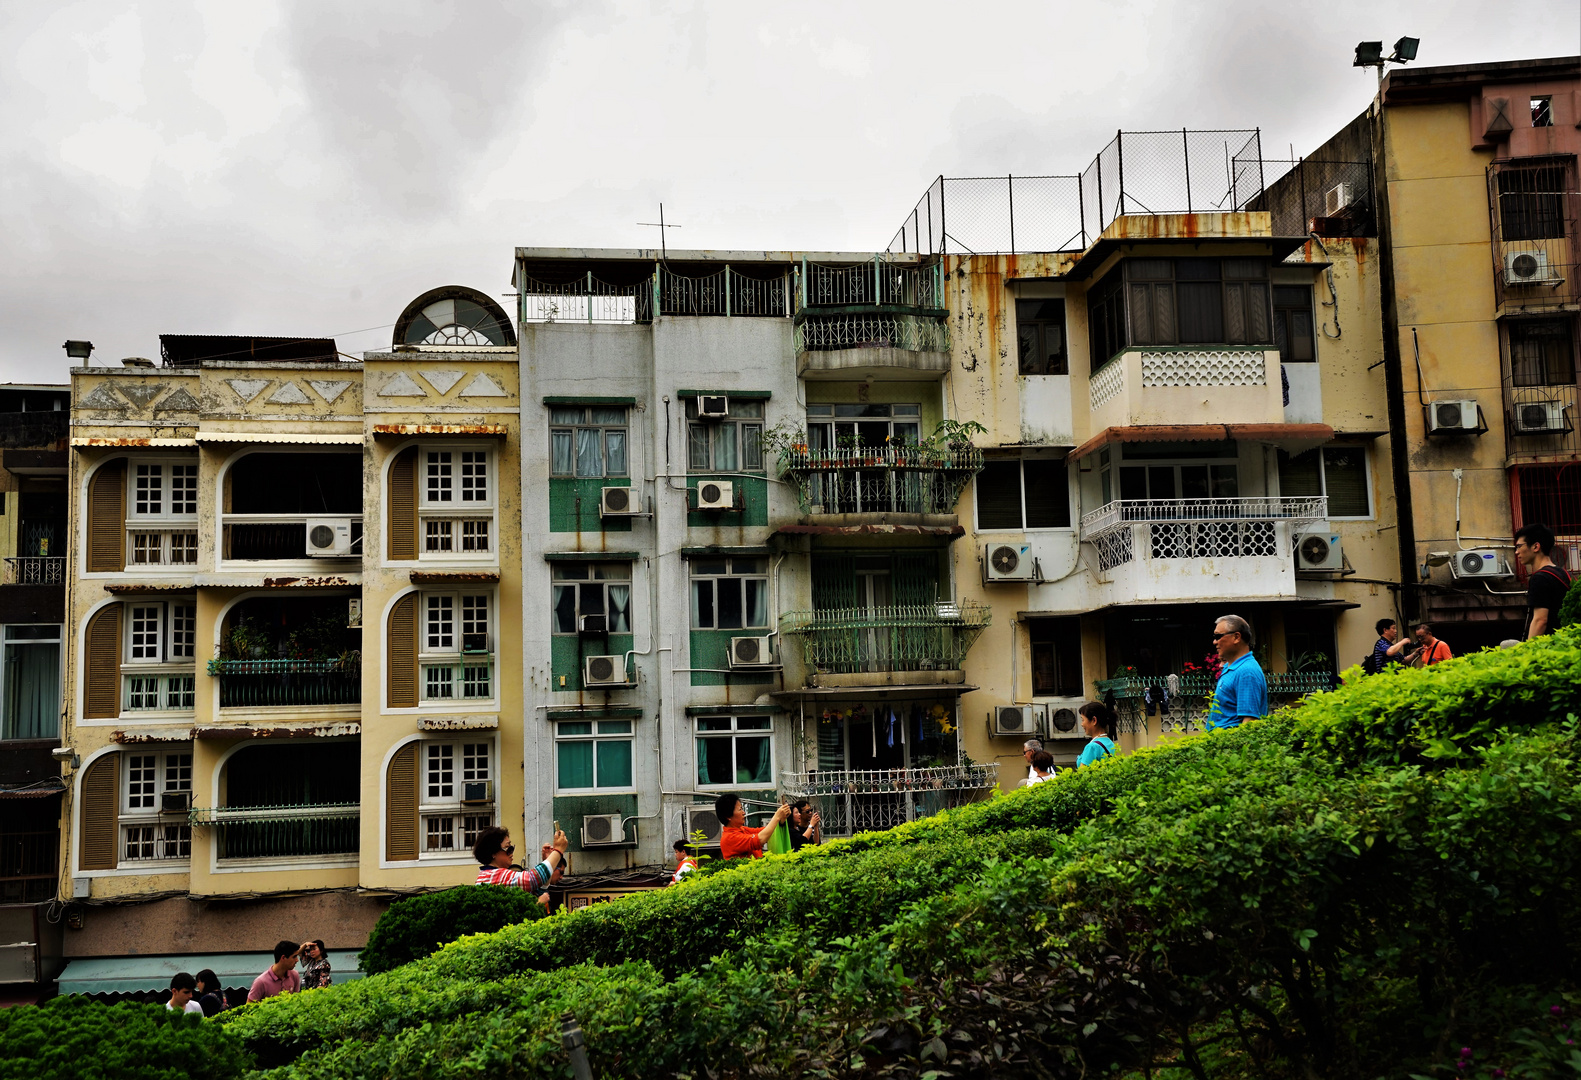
{"x": 417, "y": 925}
{"x": 1570, "y": 607}
{"x": 77, "y": 1037}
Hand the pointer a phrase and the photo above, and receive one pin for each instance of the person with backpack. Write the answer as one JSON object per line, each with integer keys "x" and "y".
{"x": 1097, "y": 720}
{"x": 1388, "y": 649}
{"x": 1546, "y": 581}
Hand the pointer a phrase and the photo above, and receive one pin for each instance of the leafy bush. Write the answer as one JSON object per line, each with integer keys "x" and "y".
{"x": 78, "y": 1037}
{"x": 417, "y": 925}
{"x": 1328, "y": 892}
{"x": 1570, "y": 607}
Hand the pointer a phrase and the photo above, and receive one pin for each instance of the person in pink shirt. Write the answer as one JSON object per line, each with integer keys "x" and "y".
{"x": 494, "y": 849}
{"x": 280, "y": 977}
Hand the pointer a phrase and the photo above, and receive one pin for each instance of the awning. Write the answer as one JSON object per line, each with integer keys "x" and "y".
{"x": 450, "y": 722}
{"x": 324, "y": 729}
{"x": 457, "y": 577}
{"x": 1293, "y": 437}
{"x": 32, "y": 792}
{"x": 281, "y": 581}
{"x": 492, "y": 431}
{"x": 313, "y": 438}
{"x": 97, "y": 440}
{"x": 133, "y": 974}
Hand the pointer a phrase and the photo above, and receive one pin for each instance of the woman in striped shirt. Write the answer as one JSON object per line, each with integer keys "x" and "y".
{"x": 494, "y": 849}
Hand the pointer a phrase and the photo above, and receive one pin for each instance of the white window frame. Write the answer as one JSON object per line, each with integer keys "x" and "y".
{"x": 172, "y": 770}
{"x": 443, "y": 815}
{"x": 449, "y": 656}
{"x": 1021, "y": 462}
{"x": 743, "y": 425}
{"x": 170, "y": 673}
{"x": 734, "y": 733}
{"x": 161, "y": 538}
{"x": 446, "y": 526}
{"x": 730, "y": 575}
{"x": 823, "y": 415}
{"x": 595, "y": 736}
{"x": 1366, "y": 466}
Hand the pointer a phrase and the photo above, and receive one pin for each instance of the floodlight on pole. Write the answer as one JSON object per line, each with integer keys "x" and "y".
{"x": 1370, "y": 54}
{"x": 79, "y": 350}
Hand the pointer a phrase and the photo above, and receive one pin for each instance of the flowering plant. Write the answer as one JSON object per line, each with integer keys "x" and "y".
{"x": 1211, "y": 665}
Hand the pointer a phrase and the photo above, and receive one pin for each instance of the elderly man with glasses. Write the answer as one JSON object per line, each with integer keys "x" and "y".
{"x": 1242, "y": 691}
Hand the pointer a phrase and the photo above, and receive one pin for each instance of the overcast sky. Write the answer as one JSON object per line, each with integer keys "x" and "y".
{"x": 306, "y": 168}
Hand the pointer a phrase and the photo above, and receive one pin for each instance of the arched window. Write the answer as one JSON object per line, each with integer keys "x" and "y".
{"x": 454, "y": 315}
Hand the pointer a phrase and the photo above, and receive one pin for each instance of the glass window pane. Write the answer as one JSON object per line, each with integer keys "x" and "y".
{"x": 752, "y": 761}
{"x": 820, "y": 410}
{"x": 1047, "y": 494}
{"x": 32, "y": 691}
{"x": 1201, "y": 312}
{"x": 1225, "y": 481}
{"x": 611, "y": 571}
{"x": 752, "y": 446}
{"x": 560, "y": 453}
{"x": 615, "y": 452}
{"x": 614, "y": 763}
{"x": 565, "y": 609}
{"x": 1345, "y": 478}
{"x": 754, "y": 723}
{"x": 749, "y": 566}
{"x": 614, "y": 727}
{"x": 576, "y": 764}
{"x": 606, "y": 415}
{"x": 709, "y": 567}
{"x": 619, "y": 609}
{"x": 1193, "y": 481}
{"x": 566, "y": 414}
{"x": 725, "y": 448}
{"x": 570, "y": 571}
{"x": 999, "y": 495}
{"x": 1133, "y": 482}
{"x": 713, "y": 723}
{"x": 716, "y": 761}
{"x": 697, "y": 447}
{"x": 589, "y": 458}
{"x": 757, "y": 612}
{"x": 575, "y": 727}
{"x": 702, "y": 604}
{"x": 729, "y": 596}
{"x": 1298, "y": 476}
{"x": 590, "y": 600}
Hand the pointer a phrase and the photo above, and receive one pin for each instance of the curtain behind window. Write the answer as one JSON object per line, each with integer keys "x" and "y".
{"x": 32, "y": 700}
{"x": 1345, "y": 475}
{"x": 576, "y": 765}
{"x": 1298, "y": 476}
{"x": 619, "y": 610}
{"x": 589, "y": 456}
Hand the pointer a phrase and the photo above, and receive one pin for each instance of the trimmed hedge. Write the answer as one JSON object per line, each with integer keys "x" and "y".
{"x": 414, "y": 927}
{"x": 77, "y": 1036}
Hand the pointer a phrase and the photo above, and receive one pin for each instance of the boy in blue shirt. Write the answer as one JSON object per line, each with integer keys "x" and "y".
{"x": 1242, "y": 691}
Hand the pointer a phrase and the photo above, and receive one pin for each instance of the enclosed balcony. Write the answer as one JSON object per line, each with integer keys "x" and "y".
{"x": 879, "y": 483}
{"x": 1187, "y": 385}
{"x": 850, "y": 801}
{"x": 289, "y": 652}
{"x": 287, "y": 802}
{"x": 879, "y": 320}
{"x": 1189, "y": 549}
{"x": 272, "y": 500}
{"x": 886, "y": 645}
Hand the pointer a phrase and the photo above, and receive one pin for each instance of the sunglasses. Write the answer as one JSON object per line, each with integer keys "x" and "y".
{"x": 1226, "y": 633}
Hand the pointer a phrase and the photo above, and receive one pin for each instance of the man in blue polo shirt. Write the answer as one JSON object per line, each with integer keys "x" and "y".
{"x": 1242, "y": 691}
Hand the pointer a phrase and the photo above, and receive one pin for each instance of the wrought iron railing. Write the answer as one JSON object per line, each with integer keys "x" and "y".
{"x": 1195, "y": 528}
{"x": 36, "y": 570}
{"x": 264, "y": 683}
{"x": 161, "y": 547}
{"x": 281, "y": 832}
{"x": 892, "y": 479}
{"x": 910, "y": 637}
{"x": 832, "y": 333}
{"x": 277, "y": 536}
{"x": 871, "y": 284}
{"x": 1542, "y": 413}
{"x": 853, "y": 801}
{"x": 1180, "y": 703}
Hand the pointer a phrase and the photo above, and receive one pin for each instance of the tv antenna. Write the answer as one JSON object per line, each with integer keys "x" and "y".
{"x": 661, "y": 226}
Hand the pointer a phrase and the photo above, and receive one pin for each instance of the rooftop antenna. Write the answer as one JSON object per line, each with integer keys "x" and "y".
{"x": 661, "y": 226}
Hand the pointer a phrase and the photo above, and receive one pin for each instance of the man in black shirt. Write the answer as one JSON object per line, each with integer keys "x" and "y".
{"x": 1546, "y": 582}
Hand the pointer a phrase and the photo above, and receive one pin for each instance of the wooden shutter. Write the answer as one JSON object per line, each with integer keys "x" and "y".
{"x": 400, "y": 822}
{"x": 101, "y": 665}
{"x": 402, "y": 505}
{"x": 107, "y": 519}
{"x": 400, "y": 652}
{"x": 100, "y": 797}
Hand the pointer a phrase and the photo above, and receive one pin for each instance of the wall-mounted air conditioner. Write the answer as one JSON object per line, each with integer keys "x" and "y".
{"x": 1007, "y": 562}
{"x": 601, "y": 830}
{"x": 1529, "y": 268}
{"x": 1336, "y": 199}
{"x": 175, "y": 802}
{"x": 1014, "y": 720}
{"x": 328, "y": 537}
{"x": 751, "y": 652}
{"x": 1452, "y": 418}
{"x": 592, "y": 624}
{"x": 619, "y": 502}
{"x": 475, "y": 643}
{"x": 1479, "y": 563}
{"x": 477, "y": 792}
{"x": 712, "y": 406}
{"x": 1063, "y": 721}
{"x": 604, "y": 671}
{"x": 1539, "y": 418}
{"x": 700, "y": 817}
{"x": 716, "y": 495}
{"x": 1319, "y": 551}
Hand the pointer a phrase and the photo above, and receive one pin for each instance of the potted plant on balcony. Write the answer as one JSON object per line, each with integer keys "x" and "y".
{"x": 950, "y": 437}
{"x": 786, "y": 441}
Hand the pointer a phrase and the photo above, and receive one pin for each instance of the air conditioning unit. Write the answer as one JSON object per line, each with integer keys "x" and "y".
{"x": 604, "y": 671}
{"x": 1540, "y": 418}
{"x": 328, "y": 536}
{"x": 751, "y": 652}
{"x": 712, "y": 406}
{"x": 1529, "y": 268}
{"x": 1014, "y": 720}
{"x": 1007, "y": 562}
{"x": 1336, "y": 199}
{"x": 592, "y": 624}
{"x": 1478, "y": 563}
{"x": 716, "y": 495}
{"x": 700, "y": 817}
{"x": 619, "y": 502}
{"x": 1064, "y": 721}
{"x": 602, "y": 830}
{"x": 475, "y": 643}
{"x": 1452, "y": 418}
{"x": 175, "y": 802}
{"x": 1319, "y": 551}
{"x": 477, "y": 792}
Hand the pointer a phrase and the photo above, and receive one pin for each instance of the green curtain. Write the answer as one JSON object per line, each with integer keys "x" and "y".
{"x": 614, "y": 763}
{"x": 576, "y": 765}
{"x": 32, "y": 679}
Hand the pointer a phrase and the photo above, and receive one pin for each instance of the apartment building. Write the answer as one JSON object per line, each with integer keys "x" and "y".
{"x": 285, "y": 678}
{"x": 1477, "y": 214}
{"x": 33, "y": 426}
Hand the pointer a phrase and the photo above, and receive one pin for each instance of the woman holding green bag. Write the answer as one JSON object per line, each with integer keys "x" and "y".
{"x": 737, "y": 839}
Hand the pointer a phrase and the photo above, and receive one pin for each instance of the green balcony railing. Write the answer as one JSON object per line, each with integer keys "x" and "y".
{"x": 871, "y": 330}
{"x": 912, "y": 637}
{"x": 281, "y": 832}
{"x": 261, "y": 683}
{"x": 1180, "y": 703}
{"x": 901, "y": 479}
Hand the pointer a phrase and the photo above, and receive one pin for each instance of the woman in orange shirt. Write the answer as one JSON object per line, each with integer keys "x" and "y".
{"x": 737, "y": 838}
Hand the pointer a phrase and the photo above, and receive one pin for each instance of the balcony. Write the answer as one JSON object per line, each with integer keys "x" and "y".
{"x": 878, "y": 646}
{"x": 36, "y": 570}
{"x": 28, "y": 868}
{"x": 265, "y": 537}
{"x": 853, "y": 801}
{"x": 1183, "y": 711}
{"x": 1174, "y": 386}
{"x": 871, "y": 320}
{"x": 915, "y": 481}
{"x": 251, "y": 684}
{"x": 1191, "y": 549}
{"x": 281, "y": 832}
